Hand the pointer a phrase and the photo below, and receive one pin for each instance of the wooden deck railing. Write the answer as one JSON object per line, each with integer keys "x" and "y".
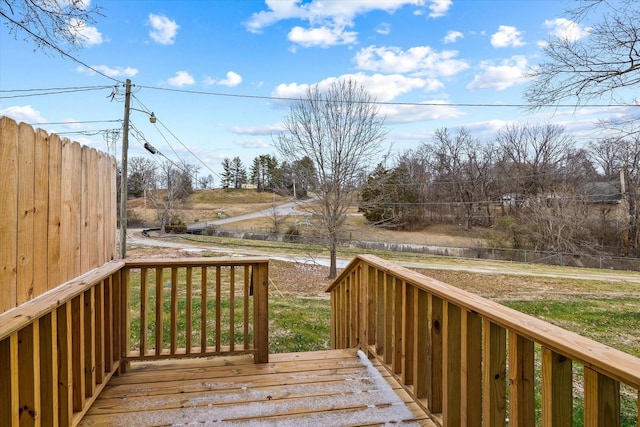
{"x": 470, "y": 361}
{"x": 59, "y": 350}
{"x": 195, "y": 307}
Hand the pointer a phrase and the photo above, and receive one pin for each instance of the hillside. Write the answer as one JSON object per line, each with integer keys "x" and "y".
{"x": 210, "y": 205}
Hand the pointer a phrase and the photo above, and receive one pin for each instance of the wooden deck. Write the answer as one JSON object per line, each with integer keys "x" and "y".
{"x": 327, "y": 388}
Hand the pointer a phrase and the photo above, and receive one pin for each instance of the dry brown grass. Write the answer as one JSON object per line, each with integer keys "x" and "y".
{"x": 209, "y": 205}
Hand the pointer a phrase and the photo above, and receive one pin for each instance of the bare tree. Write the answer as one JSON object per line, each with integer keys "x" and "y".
{"x": 533, "y": 157}
{"x": 206, "y": 182}
{"x": 607, "y": 155}
{"x": 600, "y": 64}
{"x": 559, "y": 222}
{"x": 172, "y": 187}
{"x": 49, "y": 23}
{"x": 390, "y": 198}
{"x": 275, "y": 218}
{"x": 462, "y": 166}
{"x": 340, "y": 130}
{"x": 142, "y": 174}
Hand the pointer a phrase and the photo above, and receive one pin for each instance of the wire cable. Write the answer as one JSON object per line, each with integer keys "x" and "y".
{"x": 48, "y": 91}
{"x": 75, "y": 122}
{"x": 56, "y": 48}
{"x": 415, "y": 104}
{"x": 175, "y": 137}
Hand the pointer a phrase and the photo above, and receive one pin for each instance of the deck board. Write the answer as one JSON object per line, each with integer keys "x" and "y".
{"x": 327, "y": 388}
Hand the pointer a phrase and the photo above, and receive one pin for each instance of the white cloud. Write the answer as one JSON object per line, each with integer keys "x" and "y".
{"x": 257, "y": 130}
{"x": 321, "y": 36}
{"x": 452, "y": 36}
{"x": 431, "y": 110}
{"x": 507, "y": 36}
{"x": 23, "y": 113}
{"x": 318, "y": 10}
{"x": 163, "y": 29}
{"x": 566, "y": 29}
{"x": 182, "y": 78}
{"x": 252, "y": 143}
{"x": 501, "y": 76}
{"x": 110, "y": 71}
{"x": 439, "y": 7}
{"x": 327, "y": 20}
{"x": 384, "y": 28}
{"x": 380, "y": 86}
{"x": 419, "y": 59}
{"x": 233, "y": 79}
{"x": 90, "y": 36}
{"x": 278, "y": 10}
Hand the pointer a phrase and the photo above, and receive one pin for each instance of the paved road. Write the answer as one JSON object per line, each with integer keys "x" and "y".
{"x": 288, "y": 209}
{"x": 135, "y": 238}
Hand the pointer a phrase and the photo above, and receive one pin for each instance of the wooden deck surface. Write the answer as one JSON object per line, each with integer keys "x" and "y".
{"x": 327, "y": 388}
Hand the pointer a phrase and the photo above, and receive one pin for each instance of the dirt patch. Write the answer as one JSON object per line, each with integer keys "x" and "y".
{"x": 507, "y": 287}
{"x": 138, "y": 253}
{"x": 295, "y": 278}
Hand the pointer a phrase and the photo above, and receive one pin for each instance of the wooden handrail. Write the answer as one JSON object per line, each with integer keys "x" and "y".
{"x": 178, "y": 308}
{"x": 18, "y": 317}
{"x": 58, "y": 351}
{"x": 450, "y": 347}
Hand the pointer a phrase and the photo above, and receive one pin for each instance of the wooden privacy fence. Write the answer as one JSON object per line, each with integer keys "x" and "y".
{"x": 57, "y": 211}
{"x": 470, "y": 361}
{"x": 59, "y": 350}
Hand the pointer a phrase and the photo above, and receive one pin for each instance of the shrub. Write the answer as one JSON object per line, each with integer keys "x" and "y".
{"x": 176, "y": 229}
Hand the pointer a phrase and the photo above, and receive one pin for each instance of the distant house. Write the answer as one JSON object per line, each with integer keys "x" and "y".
{"x": 511, "y": 199}
{"x": 603, "y": 192}
{"x": 608, "y": 201}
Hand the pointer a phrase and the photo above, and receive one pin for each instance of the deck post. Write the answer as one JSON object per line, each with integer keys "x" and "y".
{"x": 261, "y": 312}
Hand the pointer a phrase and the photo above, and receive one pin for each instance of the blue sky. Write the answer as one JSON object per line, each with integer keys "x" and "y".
{"x": 210, "y": 70}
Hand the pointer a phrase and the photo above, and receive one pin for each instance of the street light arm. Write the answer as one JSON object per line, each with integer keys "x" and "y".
{"x": 152, "y": 117}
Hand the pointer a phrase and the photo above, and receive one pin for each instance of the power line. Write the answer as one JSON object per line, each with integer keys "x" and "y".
{"x": 74, "y": 122}
{"x": 57, "y": 49}
{"x": 54, "y": 90}
{"x": 176, "y": 138}
{"x": 49, "y": 91}
{"x": 414, "y": 104}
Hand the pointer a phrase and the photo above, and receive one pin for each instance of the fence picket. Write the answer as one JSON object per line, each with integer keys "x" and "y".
{"x": 26, "y": 207}
{"x": 40, "y": 212}
{"x": 8, "y": 213}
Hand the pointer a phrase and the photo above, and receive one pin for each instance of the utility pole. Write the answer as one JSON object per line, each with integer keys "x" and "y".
{"x": 123, "y": 172}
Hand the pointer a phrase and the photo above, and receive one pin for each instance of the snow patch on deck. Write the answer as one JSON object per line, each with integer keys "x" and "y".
{"x": 360, "y": 397}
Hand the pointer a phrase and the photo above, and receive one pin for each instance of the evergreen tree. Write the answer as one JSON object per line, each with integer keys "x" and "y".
{"x": 239, "y": 173}
{"x": 265, "y": 172}
{"x": 227, "y": 177}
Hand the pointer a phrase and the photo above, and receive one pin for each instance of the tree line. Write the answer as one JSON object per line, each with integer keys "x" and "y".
{"x": 532, "y": 187}
{"x": 267, "y": 173}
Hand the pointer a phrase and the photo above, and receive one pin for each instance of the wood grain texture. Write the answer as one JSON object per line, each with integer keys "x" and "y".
{"x": 317, "y": 388}
{"x": 8, "y": 213}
